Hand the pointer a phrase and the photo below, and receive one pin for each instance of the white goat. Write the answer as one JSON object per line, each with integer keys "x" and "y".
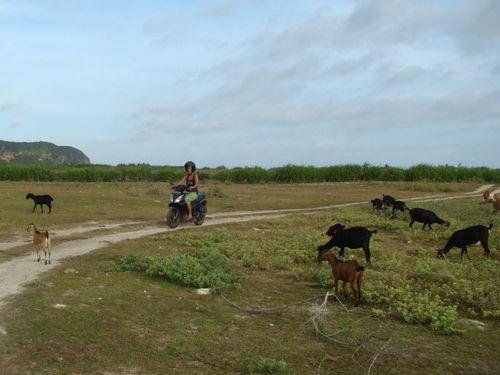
{"x": 41, "y": 241}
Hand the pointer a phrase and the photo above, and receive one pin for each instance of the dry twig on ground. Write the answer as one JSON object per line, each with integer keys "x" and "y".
{"x": 376, "y": 356}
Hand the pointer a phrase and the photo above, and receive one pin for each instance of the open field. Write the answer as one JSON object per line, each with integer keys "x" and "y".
{"x": 418, "y": 314}
{"x": 91, "y": 203}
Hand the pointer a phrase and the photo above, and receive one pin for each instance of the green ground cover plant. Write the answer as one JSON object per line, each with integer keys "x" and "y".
{"x": 200, "y": 268}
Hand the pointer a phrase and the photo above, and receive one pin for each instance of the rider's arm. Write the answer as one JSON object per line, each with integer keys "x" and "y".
{"x": 182, "y": 180}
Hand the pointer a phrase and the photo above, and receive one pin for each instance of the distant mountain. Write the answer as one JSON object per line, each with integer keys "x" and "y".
{"x": 40, "y": 152}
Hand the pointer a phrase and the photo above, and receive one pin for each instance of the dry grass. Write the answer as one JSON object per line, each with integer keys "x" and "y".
{"x": 80, "y": 203}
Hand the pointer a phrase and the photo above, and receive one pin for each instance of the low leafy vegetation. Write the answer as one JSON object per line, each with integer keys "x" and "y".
{"x": 263, "y": 365}
{"x": 406, "y": 280}
{"x": 201, "y": 268}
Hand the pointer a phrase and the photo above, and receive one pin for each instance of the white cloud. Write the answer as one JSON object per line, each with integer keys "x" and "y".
{"x": 8, "y": 105}
{"x": 17, "y": 123}
{"x": 327, "y": 143}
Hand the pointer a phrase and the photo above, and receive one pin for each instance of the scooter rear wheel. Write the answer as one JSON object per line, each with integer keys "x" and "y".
{"x": 199, "y": 219}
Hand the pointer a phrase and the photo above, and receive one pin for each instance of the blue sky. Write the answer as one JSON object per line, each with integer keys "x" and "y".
{"x": 267, "y": 83}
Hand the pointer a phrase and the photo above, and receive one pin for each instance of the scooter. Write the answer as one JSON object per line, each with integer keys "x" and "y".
{"x": 177, "y": 208}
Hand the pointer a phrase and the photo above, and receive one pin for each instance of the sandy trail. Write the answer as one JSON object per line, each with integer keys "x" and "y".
{"x": 61, "y": 233}
{"x": 16, "y": 273}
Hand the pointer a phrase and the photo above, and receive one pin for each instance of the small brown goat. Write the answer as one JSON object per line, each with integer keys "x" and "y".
{"x": 41, "y": 241}
{"x": 487, "y": 196}
{"x": 347, "y": 271}
{"x": 496, "y": 202}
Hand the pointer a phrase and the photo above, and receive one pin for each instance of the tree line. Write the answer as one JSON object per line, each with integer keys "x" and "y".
{"x": 250, "y": 175}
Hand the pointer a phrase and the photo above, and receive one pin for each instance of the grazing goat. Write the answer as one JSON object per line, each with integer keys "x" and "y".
{"x": 496, "y": 203}
{"x": 468, "y": 236}
{"x": 388, "y": 200}
{"x": 399, "y": 206}
{"x": 41, "y": 200}
{"x": 377, "y": 204}
{"x": 41, "y": 241}
{"x": 348, "y": 272}
{"x": 353, "y": 238}
{"x": 488, "y": 196}
{"x": 427, "y": 217}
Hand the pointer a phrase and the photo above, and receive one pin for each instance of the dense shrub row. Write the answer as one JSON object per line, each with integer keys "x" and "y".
{"x": 251, "y": 175}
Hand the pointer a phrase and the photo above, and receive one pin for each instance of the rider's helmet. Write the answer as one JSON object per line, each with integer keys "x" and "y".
{"x": 190, "y": 164}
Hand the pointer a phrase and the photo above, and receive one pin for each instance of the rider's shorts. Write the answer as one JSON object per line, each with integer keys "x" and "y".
{"x": 191, "y": 196}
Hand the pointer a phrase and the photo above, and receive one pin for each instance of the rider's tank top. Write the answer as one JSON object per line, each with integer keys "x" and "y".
{"x": 190, "y": 181}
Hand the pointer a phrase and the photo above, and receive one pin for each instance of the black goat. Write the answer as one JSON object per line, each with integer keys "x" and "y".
{"x": 388, "y": 200}
{"x": 399, "y": 206}
{"x": 41, "y": 200}
{"x": 377, "y": 204}
{"x": 353, "y": 238}
{"x": 427, "y": 217}
{"x": 468, "y": 236}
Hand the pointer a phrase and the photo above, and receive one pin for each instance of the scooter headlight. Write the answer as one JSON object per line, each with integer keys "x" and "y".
{"x": 178, "y": 199}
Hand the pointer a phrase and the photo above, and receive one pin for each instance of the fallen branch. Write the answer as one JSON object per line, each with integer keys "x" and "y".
{"x": 364, "y": 344}
{"x": 318, "y": 330}
{"x": 327, "y": 356}
{"x": 376, "y": 356}
{"x": 345, "y": 308}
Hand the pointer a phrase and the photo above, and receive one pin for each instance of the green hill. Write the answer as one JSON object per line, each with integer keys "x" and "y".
{"x": 40, "y": 152}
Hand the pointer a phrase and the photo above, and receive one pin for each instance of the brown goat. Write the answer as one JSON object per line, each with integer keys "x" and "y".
{"x": 41, "y": 241}
{"x": 487, "y": 196}
{"x": 347, "y": 271}
{"x": 496, "y": 202}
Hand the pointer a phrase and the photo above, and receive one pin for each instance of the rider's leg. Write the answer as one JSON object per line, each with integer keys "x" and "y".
{"x": 190, "y": 213}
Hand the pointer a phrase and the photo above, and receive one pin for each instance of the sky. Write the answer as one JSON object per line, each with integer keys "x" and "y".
{"x": 255, "y": 83}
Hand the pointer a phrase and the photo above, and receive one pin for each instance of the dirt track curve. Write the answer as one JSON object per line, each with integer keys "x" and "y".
{"x": 15, "y": 273}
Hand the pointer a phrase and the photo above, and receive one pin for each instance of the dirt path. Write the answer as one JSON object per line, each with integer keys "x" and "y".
{"x": 14, "y": 274}
{"x": 61, "y": 233}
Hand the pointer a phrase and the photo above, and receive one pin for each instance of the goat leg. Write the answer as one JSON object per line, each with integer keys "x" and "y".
{"x": 343, "y": 287}
{"x": 341, "y": 252}
{"x": 354, "y": 292}
{"x": 464, "y": 251}
{"x": 486, "y": 249}
{"x": 336, "y": 287}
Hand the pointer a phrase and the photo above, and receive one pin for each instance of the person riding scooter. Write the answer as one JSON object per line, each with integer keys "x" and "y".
{"x": 192, "y": 182}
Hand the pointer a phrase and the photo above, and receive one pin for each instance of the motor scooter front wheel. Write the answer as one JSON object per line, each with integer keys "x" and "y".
{"x": 173, "y": 217}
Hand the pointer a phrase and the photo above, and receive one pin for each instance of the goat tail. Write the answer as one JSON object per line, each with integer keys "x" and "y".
{"x": 373, "y": 231}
